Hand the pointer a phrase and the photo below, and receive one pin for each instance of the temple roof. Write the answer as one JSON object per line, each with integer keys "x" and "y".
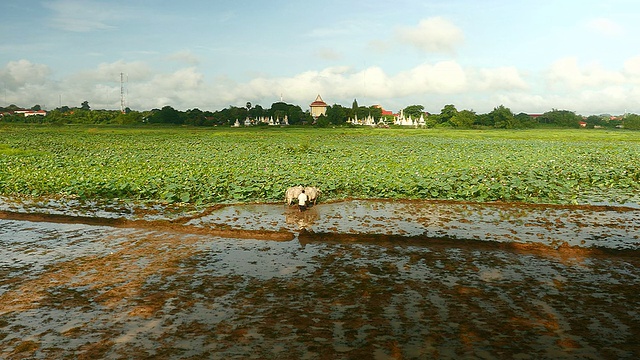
{"x": 318, "y": 102}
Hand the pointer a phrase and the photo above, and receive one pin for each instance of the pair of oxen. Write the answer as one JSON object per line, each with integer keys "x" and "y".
{"x": 292, "y": 193}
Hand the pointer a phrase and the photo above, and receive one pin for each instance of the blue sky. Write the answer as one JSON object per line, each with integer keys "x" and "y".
{"x": 530, "y": 56}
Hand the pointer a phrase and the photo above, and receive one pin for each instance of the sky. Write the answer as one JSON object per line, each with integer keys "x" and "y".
{"x": 529, "y": 56}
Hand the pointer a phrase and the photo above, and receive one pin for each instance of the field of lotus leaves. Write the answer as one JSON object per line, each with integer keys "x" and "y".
{"x": 207, "y": 166}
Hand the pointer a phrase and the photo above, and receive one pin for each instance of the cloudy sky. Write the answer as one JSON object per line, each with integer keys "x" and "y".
{"x": 530, "y": 56}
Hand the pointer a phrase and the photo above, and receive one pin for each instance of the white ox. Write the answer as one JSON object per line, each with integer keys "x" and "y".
{"x": 312, "y": 193}
{"x": 292, "y": 194}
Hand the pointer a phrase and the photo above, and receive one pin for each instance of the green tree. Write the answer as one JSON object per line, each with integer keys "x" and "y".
{"x": 484, "y": 120}
{"x": 415, "y": 111}
{"x": 375, "y": 112}
{"x": 64, "y": 109}
{"x": 85, "y": 105}
{"x": 101, "y": 116}
{"x": 463, "y": 119}
{"x": 194, "y": 117}
{"x": 80, "y": 116}
{"x": 447, "y": 113}
{"x": 631, "y": 121}
{"x": 12, "y": 107}
{"x": 128, "y": 118}
{"x": 323, "y": 121}
{"x": 523, "y": 120}
{"x": 257, "y": 111}
{"x": 55, "y": 117}
{"x": 563, "y": 118}
{"x": 336, "y": 114}
{"x": 279, "y": 114}
{"x": 502, "y": 117}
{"x": 228, "y": 116}
{"x": 278, "y": 106}
{"x": 167, "y": 115}
{"x": 295, "y": 115}
{"x": 595, "y": 120}
{"x": 362, "y": 112}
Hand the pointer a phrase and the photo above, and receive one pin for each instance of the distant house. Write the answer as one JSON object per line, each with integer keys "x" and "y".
{"x": 31, "y": 112}
{"x": 318, "y": 107}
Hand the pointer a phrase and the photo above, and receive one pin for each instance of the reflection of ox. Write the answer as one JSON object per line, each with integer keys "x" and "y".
{"x": 301, "y": 219}
{"x": 312, "y": 193}
{"x": 292, "y": 194}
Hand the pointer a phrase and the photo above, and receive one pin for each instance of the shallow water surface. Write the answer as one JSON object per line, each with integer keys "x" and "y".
{"x": 358, "y": 279}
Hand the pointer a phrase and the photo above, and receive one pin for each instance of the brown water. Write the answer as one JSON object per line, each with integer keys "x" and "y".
{"x": 354, "y": 279}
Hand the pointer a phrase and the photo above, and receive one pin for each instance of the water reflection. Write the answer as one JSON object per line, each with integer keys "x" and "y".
{"x": 172, "y": 291}
{"x": 301, "y": 219}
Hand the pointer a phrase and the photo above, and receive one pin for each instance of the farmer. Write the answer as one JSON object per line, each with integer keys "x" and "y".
{"x": 302, "y": 201}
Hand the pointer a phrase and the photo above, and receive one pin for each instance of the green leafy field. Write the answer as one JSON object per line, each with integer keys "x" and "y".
{"x": 205, "y": 166}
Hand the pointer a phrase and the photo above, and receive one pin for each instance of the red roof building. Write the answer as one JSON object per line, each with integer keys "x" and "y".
{"x": 318, "y": 107}
{"x": 384, "y": 112}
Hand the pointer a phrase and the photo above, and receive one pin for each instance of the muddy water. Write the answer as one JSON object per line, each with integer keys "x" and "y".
{"x": 355, "y": 279}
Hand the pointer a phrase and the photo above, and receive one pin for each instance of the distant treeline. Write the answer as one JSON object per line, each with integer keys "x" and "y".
{"x": 336, "y": 115}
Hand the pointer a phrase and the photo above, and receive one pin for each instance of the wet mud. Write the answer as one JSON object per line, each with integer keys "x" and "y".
{"x": 353, "y": 279}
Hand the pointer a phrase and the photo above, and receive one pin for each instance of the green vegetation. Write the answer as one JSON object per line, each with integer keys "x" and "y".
{"x": 500, "y": 117}
{"x": 213, "y": 165}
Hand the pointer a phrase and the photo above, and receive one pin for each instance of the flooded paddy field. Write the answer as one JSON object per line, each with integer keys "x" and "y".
{"x": 345, "y": 280}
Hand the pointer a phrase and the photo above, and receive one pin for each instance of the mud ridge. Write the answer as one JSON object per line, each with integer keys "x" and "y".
{"x": 180, "y": 225}
{"x": 563, "y": 249}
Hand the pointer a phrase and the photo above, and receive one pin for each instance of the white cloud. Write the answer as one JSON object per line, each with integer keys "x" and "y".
{"x": 502, "y": 78}
{"x": 187, "y": 79}
{"x": 184, "y": 88}
{"x": 22, "y": 72}
{"x": 585, "y": 89}
{"x": 566, "y": 73}
{"x": 444, "y": 77}
{"x": 632, "y": 67}
{"x": 609, "y": 99}
{"x": 341, "y": 84}
{"x": 518, "y": 102}
{"x": 434, "y": 34}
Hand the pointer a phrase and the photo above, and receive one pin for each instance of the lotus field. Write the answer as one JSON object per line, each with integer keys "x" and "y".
{"x": 216, "y": 165}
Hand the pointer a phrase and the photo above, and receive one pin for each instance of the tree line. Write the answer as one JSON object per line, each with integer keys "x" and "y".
{"x": 336, "y": 115}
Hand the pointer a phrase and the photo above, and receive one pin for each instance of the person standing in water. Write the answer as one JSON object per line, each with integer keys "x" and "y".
{"x": 302, "y": 201}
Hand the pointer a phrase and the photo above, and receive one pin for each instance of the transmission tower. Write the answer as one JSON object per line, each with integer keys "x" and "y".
{"x": 122, "y": 92}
